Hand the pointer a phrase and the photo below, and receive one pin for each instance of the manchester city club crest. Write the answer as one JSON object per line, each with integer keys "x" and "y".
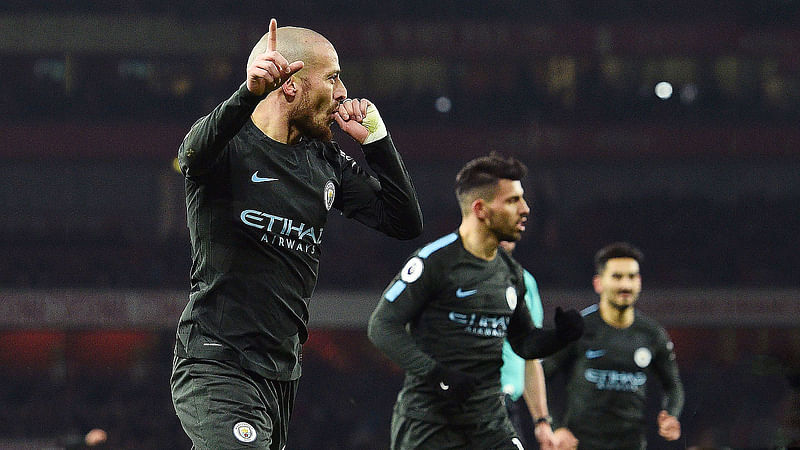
{"x": 330, "y": 194}
{"x": 511, "y": 297}
{"x": 244, "y": 432}
{"x": 642, "y": 357}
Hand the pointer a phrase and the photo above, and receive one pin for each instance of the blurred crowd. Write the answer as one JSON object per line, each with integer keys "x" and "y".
{"x": 568, "y": 87}
{"x": 348, "y": 389}
{"x": 689, "y": 242}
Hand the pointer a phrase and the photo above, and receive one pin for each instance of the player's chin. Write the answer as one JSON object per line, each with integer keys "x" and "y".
{"x": 513, "y": 236}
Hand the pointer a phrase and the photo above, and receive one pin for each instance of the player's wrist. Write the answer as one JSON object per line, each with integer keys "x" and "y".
{"x": 374, "y": 125}
{"x": 548, "y": 420}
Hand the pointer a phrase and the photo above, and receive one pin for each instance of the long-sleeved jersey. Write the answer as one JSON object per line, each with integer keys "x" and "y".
{"x": 256, "y": 212}
{"x": 607, "y": 370}
{"x": 512, "y": 373}
{"x": 449, "y": 307}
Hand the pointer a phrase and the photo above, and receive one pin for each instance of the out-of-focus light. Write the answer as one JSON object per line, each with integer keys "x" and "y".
{"x": 49, "y": 68}
{"x": 688, "y": 94}
{"x": 181, "y": 86}
{"x": 663, "y": 90}
{"x": 443, "y": 104}
{"x": 134, "y": 68}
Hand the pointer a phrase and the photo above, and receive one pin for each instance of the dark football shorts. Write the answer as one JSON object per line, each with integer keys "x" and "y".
{"x": 409, "y": 433}
{"x": 221, "y": 406}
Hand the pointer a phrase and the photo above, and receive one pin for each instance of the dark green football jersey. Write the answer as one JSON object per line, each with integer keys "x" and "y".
{"x": 607, "y": 372}
{"x": 450, "y": 307}
{"x": 256, "y": 211}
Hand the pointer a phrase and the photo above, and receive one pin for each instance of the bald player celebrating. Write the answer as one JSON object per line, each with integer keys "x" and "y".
{"x": 262, "y": 173}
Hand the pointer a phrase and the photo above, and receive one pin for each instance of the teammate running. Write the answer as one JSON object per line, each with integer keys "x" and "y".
{"x": 608, "y": 368}
{"x": 445, "y": 316}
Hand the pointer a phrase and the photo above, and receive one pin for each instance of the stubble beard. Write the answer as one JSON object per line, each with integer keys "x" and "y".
{"x": 305, "y": 120}
{"x": 512, "y": 234}
{"x": 504, "y": 236}
{"x": 622, "y": 307}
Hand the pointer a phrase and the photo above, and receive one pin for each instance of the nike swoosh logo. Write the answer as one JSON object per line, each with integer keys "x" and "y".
{"x": 592, "y": 354}
{"x": 462, "y": 294}
{"x": 257, "y": 179}
{"x": 443, "y": 386}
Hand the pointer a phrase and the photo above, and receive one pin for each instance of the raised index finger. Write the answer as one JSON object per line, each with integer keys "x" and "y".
{"x": 272, "y": 42}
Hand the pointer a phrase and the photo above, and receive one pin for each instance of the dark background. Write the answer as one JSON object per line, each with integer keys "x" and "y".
{"x": 95, "y": 98}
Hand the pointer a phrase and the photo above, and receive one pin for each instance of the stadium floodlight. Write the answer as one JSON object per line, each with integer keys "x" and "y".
{"x": 663, "y": 90}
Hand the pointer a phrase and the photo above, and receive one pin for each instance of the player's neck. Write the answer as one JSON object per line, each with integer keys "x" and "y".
{"x": 615, "y": 317}
{"x": 273, "y": 122}
{"x": 477, "y": 242}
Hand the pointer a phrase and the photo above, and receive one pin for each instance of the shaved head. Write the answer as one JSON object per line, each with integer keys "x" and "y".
{"x": 295, "y": 44}
{"x": 309, "y": 97}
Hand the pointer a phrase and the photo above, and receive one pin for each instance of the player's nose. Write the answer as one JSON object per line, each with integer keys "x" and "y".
{"x": 339, "y": 91}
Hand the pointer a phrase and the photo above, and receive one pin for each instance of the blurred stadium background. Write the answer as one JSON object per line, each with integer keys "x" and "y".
{"x": 673, "y": 125}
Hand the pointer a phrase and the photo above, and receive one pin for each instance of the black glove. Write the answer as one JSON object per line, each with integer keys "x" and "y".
{"x": 569, "y": 324}
{"x": 453, "y": 385}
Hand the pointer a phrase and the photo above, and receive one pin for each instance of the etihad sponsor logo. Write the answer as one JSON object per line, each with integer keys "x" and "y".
{"x": 612, "y": 380}
{"x": 482, "y": 325}
{"x": 283, "y": 232}
{"x": 280, "y": 225}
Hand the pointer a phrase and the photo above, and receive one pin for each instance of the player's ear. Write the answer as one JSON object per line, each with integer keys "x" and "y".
{"x": 479, "y": 209}
{"x": 597, "y": 284}
{"x": 290, "y": 87}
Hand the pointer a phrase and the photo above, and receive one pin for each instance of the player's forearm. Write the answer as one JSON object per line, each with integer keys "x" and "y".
{"x": 209, "y": 135}
{"x": 535, "y": 391}
{"x": 671, "y": 384}
{"x": 673, "y": 398}
{"x": 400, "y": 215}
{"x": 391, "y": 338}
{"x": 537, "y": 343}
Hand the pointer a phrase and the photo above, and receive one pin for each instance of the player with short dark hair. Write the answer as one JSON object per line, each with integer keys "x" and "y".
{"x": 608, "y": 368}
{"x": 445, "y": 316}
{"x": 261, "y": 177}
